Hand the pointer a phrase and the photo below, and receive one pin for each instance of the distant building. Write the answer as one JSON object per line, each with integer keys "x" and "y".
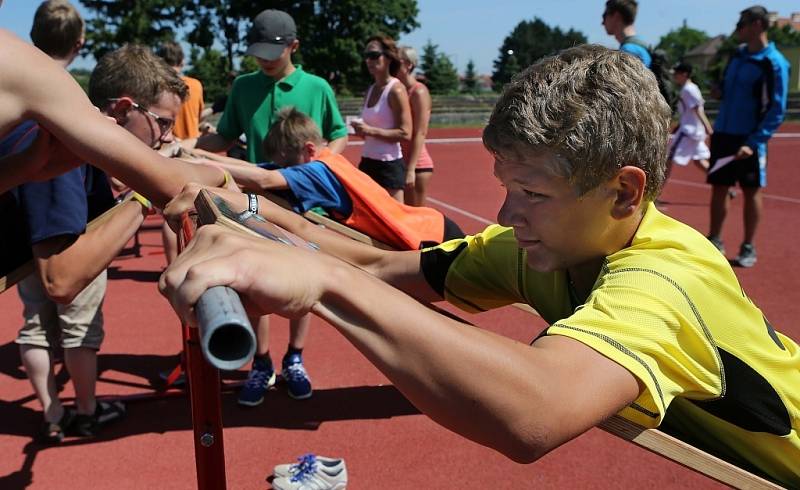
{"x": 793, "y": 20}
{"x": 703, "y": 54}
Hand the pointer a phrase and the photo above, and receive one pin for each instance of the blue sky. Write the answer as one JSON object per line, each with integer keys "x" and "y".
{"x": 475, "y": 29}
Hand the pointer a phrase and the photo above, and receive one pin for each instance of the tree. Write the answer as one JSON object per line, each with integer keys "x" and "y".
{"x": 115, "y": 23}
{"x": 81, "y": 75}
{"x": 211, "y": 68}
{"x": 528, "y": 42}
{"x": 678, "y": 41}
{"x": 331, "y": 32}
{"x": 784, "y": 37}
{"x": 470, "y": 78}
{"x": 441, "y": 75}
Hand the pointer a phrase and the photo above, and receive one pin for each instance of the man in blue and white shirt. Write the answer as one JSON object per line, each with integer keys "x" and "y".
{"x": 754, "y": 92}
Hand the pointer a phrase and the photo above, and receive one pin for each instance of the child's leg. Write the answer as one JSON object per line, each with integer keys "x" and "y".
{"x": 82, "y": 333}
{"x": 298, "y": 330}
{"x": 40, "y": 314}
{"x": 293, "y": 371}
{"x": 38, "y": 366}
{"x": 262, "y": 374}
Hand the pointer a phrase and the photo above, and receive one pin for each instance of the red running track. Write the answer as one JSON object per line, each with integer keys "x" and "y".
{"x": 354, "y": 412}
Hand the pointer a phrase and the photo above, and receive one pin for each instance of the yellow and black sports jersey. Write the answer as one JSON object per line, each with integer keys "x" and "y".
{"x": 670, "y": 310}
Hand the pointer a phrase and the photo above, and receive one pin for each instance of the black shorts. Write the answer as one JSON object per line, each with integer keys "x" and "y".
{"x": 389, "y": 174}
{"x": 748, "y": 172}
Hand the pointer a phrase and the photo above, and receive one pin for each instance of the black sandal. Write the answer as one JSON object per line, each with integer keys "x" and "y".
{"x": 90, "y": 425}
{"x": 53, "y": 432}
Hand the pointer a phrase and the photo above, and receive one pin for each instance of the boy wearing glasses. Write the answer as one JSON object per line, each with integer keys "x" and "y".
{"x": 65, "y": 296}
{"x": 754, "y": 93}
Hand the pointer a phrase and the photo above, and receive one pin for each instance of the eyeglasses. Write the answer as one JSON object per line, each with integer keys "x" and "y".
{"x": 372, "y": 55}
{"x": 164, "y": 124}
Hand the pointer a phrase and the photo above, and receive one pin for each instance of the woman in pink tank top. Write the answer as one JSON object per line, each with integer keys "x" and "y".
{"x": 419, "y": 165}
{"x": 385, "y": 118}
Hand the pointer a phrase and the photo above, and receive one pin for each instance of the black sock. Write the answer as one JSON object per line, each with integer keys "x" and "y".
{"x": 292, "y": 350}
{"x": 263, "y": 362}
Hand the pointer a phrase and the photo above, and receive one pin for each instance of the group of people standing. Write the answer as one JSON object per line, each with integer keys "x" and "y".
{"x": 753, "y": 95}
{"x": 394, "y": 122}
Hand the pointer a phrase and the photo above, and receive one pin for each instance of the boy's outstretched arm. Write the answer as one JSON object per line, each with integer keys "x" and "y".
{"x": 400, "y": 269}
{"x": 33, "y": 86}
{"x": 522, "y": 400}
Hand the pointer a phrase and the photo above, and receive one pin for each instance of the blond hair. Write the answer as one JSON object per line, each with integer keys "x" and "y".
{"x": 288, "y": 135}
{"x": 595, "y": 109}
{"x": 57, "y": 28}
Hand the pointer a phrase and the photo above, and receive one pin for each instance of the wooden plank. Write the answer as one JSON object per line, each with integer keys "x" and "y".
{"x": 685, "y": 454}
{"x": 27, "y": 268}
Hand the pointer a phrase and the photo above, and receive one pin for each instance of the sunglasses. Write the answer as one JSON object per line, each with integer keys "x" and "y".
{"x": 164, "y": 124}
{"x": 372, "y": 55}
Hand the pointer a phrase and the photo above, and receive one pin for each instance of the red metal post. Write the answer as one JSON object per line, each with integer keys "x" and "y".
{"x": 204, "y": 391}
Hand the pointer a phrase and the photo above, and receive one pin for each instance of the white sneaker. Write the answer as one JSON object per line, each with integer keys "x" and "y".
{"x": 289, "y": 469}
{"x": 313, "y": 475}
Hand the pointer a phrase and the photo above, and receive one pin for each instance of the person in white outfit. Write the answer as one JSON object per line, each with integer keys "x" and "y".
{"x": 385, "y": 118}
{"x": 688, "y": 142}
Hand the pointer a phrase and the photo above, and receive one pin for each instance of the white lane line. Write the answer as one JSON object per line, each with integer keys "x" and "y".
{"x": 706, "y": 186}
{"x": 440, "y": 141}
{"x": 477, "y": 218}
{"x": 435, "y": 141}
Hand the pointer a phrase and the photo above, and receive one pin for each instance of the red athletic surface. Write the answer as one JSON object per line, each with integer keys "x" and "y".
{"x": 354, "y": 412}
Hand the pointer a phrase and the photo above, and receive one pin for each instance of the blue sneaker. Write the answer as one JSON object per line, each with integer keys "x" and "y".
{"x": 297, "y": 380}
{"x": 256, "y": 386}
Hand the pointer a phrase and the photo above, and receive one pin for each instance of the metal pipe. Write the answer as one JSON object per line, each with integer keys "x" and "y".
{"x": 226, "y": 336}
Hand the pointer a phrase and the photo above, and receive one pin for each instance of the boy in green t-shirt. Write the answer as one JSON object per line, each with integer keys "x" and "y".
{"x": 646, "y": 318}
{"x": 256, "y": 97}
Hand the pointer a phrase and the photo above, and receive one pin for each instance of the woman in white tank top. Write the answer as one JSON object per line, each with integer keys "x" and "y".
{"x": 385, "y": 118}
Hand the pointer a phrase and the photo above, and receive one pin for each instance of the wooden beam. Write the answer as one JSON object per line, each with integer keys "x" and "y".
{"x": 685, "y": 454}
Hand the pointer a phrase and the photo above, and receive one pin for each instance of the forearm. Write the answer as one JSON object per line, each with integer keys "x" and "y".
{"x": 433, "y": 361}
{"x": 213, "y": 142}
{"x": 67, "y": 272}
{"x": 392, "y": 135}
{"x": 704, "y": 119}
{"x": 417, "y": 142}
{"x": 338, "y": 145}
{"x": 220, "y": 158}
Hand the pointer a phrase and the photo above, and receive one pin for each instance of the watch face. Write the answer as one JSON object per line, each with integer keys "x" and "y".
{"x": 259, "y": 224}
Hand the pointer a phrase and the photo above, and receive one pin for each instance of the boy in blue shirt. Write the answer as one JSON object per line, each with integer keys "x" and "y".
{"x": 618, "y": 19}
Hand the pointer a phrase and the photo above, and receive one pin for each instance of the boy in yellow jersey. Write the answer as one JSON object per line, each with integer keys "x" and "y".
{"x": 647, "y": 319}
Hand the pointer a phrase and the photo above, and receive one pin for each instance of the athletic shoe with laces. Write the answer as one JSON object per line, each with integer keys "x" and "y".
{"x": 259, "y": 380}
{"x": 747, "y": 255}
{"x": 314, "y": 476}
{"x": 717, "y": 243}
{"x": 294, "y": 373}
{"x": 289, "y": 469}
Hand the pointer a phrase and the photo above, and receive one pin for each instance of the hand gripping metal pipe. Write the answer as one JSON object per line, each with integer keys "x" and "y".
{"x": 226, "y": 336}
